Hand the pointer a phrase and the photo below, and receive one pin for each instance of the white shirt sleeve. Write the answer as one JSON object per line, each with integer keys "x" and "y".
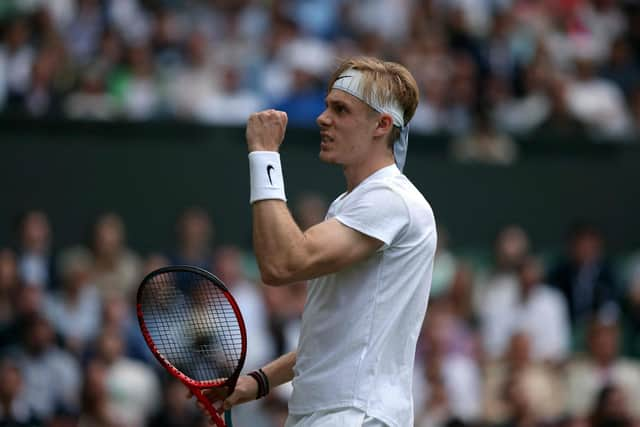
{"x": 378, "y": 212}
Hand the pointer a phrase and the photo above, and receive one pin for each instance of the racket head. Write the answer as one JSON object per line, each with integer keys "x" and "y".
{"x": 192, "y": 325}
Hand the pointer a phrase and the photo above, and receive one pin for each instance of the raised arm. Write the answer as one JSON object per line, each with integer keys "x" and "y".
{"x": 286, "y": 254}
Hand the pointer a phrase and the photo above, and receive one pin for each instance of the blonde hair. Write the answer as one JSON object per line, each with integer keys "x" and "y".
{"x": 385, "y": 82}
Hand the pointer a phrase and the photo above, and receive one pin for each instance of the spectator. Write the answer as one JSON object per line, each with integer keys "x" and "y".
{"x": 166, "y": 38}
{"x": 96, "y": 410}
{"x": 501, "y": 53}
{"x": 233, "y": 103}
{"x": 309, "y": 62}
{"x": 602, "y": 365}
{"x": 317, "y": 18}
{"x": 462, "y": 95}
{"x": 521, "y": 413}
{"x": 197, "y": 81}
{"x": 584, "y": 275}
{"x": 133, "y": 390}
{"x": 118, "y": 314}
{"x": 455, "y": 332}
{"x": 15, "y": 411}
{"x": 17, "y": 55}
{"x": 540, "y": 384}
{"x": 536, "y": 309}
{"x": 137, "y": 88}
{"x": 603, "y": 19}
{"x": 36, "y": 263}
{"x": 83, "y": 33}
{"x": 460, "y": 296}
{"x": 501, "y": 288}
{"x": 388, "y": 18}
{"x": 274, "y": 77}
{"x": 27, "y": 303}
{"x": 560, "y": 123}
{"x": 74, "y": 310}
{"x": 110, "y": 54}
{"x": 430, "y": 61}
{"x": 116, "y": 268}
{"x": 129, "y": 19}
{"x": 195, "y": 234}
{"x": 42, "y": 99}
{"x": 484, "y": 144}
{"x": 452, "y": 378}
{"x": 598, "y": 103}
{"x": 61, "y": 12}
{"x": 525, "y": 113}
{"x": 52, "y": 377}
{"x": 91, "y": 101}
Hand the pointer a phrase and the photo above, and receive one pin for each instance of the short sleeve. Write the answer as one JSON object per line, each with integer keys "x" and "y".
{"x": 378, "y": 212}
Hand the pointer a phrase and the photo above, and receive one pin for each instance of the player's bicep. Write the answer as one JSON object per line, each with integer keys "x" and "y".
{"x": 331, "y": 246}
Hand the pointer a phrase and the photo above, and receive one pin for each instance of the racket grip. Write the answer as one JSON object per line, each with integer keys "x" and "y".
{"x": 209, "y": 407}
{"x": 227, "y": 418}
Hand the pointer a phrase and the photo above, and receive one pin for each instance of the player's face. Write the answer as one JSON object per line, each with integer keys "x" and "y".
{"x": 346, "y": 129}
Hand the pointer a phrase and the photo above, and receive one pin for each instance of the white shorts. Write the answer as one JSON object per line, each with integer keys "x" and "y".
{"x": 342, "y": 417}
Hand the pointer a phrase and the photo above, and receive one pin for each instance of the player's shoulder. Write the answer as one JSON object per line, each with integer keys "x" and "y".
{"x": 397, "y": 194}
{"x": 411, "y": 195}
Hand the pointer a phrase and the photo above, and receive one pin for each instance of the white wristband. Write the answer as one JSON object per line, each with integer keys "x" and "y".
{"x": 265, "y": 175}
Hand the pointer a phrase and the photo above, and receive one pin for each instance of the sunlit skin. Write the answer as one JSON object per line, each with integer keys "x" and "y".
{"x": 354, "y": 135}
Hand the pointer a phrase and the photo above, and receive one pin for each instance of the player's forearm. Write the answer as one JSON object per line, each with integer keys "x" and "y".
{"x": 280, "y": 371}
{"x": 278, "y": 242}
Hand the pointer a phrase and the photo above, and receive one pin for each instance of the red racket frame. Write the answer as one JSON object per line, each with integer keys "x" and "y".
{"x": 193, "y": 385}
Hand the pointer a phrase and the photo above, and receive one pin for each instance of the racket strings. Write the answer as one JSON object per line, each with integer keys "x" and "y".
{"x": 193, "y": 325}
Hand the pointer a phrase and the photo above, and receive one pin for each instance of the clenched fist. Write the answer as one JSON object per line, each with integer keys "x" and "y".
{"x": 265, "y": 130}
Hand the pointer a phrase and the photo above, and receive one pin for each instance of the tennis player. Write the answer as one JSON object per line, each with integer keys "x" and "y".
{"x": 369, "y": 263}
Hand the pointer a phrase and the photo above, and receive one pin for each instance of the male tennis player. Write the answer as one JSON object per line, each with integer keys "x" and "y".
{"x": 369, "y": 263}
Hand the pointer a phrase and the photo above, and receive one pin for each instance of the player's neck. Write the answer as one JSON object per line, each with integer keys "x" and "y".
{"x": 356, "y": 173}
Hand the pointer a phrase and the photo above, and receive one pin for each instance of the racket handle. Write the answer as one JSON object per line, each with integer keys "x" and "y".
{"x": 209, "y": 407}
{"x": 227, "y": 418}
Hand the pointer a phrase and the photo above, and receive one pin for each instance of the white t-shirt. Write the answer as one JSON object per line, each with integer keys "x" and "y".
{"x": 360, "y": 325}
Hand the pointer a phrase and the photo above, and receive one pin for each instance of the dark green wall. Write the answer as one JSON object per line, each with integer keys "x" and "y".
{"x": 147, "y": 173}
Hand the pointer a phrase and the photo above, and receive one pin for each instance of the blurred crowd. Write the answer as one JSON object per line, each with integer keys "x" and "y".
{"x": 518, "y": 338}
{"x": 487, "y": 69}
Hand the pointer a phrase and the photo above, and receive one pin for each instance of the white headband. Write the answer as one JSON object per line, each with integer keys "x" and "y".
{"x": 351, "y": 81}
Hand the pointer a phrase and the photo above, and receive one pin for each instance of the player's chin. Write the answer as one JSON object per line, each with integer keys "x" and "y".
{"x": 326, "y": 156}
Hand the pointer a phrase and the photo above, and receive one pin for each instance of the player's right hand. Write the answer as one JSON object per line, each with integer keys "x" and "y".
{"x": 246, "y": 390}
{"x": 265, "y": 130}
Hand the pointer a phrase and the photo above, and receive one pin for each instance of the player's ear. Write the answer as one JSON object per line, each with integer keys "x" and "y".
{"x": 384, "y": 125}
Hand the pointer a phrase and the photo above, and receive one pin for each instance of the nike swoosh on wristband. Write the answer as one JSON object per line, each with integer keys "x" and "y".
{"x": 269, "y": 169}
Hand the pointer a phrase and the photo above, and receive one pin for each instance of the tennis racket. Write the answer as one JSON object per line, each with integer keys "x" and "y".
{"x": 194, "y": 328}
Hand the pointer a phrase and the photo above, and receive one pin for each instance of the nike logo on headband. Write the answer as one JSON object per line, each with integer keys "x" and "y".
{"x": 342, "y": 77}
